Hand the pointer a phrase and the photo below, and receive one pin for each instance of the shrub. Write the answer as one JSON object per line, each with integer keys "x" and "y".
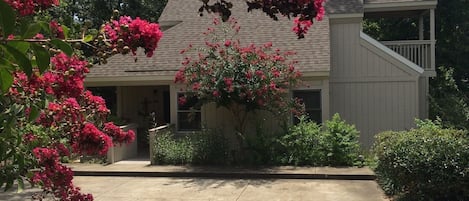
{"x": 307, "y": 143}
{"x": 341, "y": 142}
{"x": 303, "y": 145}
{"x": 206, "y": 147}
{"x": 210, "y": 148}
{"x": 260, "y": 148}
{"x": 170, "y": 151}
{"x": 426, "y": 163}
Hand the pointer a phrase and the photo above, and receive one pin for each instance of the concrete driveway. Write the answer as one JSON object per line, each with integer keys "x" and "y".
{"x": 155, "y": 188}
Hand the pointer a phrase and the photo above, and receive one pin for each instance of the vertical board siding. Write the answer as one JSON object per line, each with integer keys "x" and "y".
{"x": 375, "y": 107}
{"x": 368, "y": 90}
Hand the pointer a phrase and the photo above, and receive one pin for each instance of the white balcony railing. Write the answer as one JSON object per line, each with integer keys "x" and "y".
{"x": 417, "y": 51}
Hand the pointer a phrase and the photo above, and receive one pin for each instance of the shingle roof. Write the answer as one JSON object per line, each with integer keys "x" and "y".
{"x": 344, "y": 6}
{"x": 313, "y": 52}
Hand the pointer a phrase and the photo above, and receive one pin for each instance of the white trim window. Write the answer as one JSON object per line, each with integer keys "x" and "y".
{"x": 189, "y": 114}
{"x": 313, "y": 105}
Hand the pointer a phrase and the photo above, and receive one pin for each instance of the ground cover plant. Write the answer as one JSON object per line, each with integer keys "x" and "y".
{"x": 426, "y": 163}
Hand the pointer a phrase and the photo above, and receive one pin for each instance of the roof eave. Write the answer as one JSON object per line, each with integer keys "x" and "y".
{"x": 129, "y": 80}
{"x": 345, "y": 15}
{"x": 400, "y": 6}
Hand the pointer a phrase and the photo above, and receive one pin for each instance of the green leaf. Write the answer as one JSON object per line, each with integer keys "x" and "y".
{"x": 33, "y": 114}
{"x": 42, "y": 57}
{"x": 45, "y": 27}
{"x": 20, "y": 59}
{"x": 88, "y": 38}
{"x": 6, "y": 79}
{"x": 7, "y": 18}
{"x": 65, "y": 47}
{"x": 22, "y": 46}
{"x": 66, "y": 31}
{"x": 32, "y": 30}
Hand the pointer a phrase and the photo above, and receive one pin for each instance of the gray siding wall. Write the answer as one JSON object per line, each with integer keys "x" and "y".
{"x": 368, "y": 87}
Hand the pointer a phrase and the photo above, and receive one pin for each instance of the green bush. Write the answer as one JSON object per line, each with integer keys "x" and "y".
{"x": 170, "y": 151}
{"x": 303, "y": 144}
{"x": 307, "y": 143}
{"x": 426, "y": 163}
{"x": 206, "y": 148}
{"x": 209, "y": 148}
{"x": 341, "y": 141}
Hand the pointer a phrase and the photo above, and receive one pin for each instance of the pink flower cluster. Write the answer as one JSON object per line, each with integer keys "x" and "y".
{"x": 56, "y": 30}
{"x": 28, "y": 7}
{"x": 117, "y": 134}
{"x": 226, "y": 72}
{"x": 90, "y": 140}
{"x": 68, "y": 75}
{"x": 301, "y": 23}
{"x": 55, "y": 177}
{"x": 72, "y": 113}
{"x": 134, "y": 33}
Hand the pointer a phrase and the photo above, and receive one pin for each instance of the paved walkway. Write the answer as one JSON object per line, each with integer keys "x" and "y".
{"x": 144, "y": 169}
{"x": 212, "y": 187}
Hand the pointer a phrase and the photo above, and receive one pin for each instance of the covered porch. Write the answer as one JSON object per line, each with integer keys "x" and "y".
{"x": 141, "y": 105}
{"x": 419, "y": 46}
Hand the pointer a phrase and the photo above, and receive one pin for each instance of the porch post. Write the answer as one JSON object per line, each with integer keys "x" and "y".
{"x": 421, "y": 27}
{"x": 432, "y": 38}
{"x": 119, "y": 101}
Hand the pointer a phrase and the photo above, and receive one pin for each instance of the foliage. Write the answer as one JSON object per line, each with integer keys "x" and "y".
{"x": 343, "y": 138}
{"x": 307, "y": 143}
{"x": 242, "y": 79}
{"x": 172, "y": 151}
{"x": 304, "y": 11}
{"x": 425, "y": 163}
{"x": 98, "y": 12}
{"x": 46, "y": 114}
{"x": 204, "y": 148}
{"x": 261, "y": 148}
{"x": 304, "y": 144}
{"x": 447, "y": 102}
{"x": 384, "y": 29}
{"x": 451, "y": 40}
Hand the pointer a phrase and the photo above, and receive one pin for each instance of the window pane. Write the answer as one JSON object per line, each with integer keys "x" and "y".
{"x": 314, "y": 115}
{"x": 191, "y": 101}
{"x": 311, "y": 99}
{"x": 189, "y": 121}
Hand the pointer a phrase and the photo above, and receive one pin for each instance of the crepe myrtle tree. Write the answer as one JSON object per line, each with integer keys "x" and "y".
{"x": 303, "y": 11}
{"x": 45, "y": 112}
{"x": 241, "y": 78}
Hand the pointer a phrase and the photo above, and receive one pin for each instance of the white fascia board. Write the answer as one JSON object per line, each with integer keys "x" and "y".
{"x": 129, "y": 80}
{"x": 400, "y": 6}
{"x": 315, "y": 74}
{"x": 345, "y": 15}
{"x": 388, "y": 51}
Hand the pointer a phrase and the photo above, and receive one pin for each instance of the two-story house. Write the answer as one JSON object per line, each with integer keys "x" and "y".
{"x": 376, "y": 85}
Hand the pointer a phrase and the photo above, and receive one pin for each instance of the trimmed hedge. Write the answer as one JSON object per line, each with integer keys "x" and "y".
{"x": 426, "y": 163}
{"x": 206, "y": 148}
